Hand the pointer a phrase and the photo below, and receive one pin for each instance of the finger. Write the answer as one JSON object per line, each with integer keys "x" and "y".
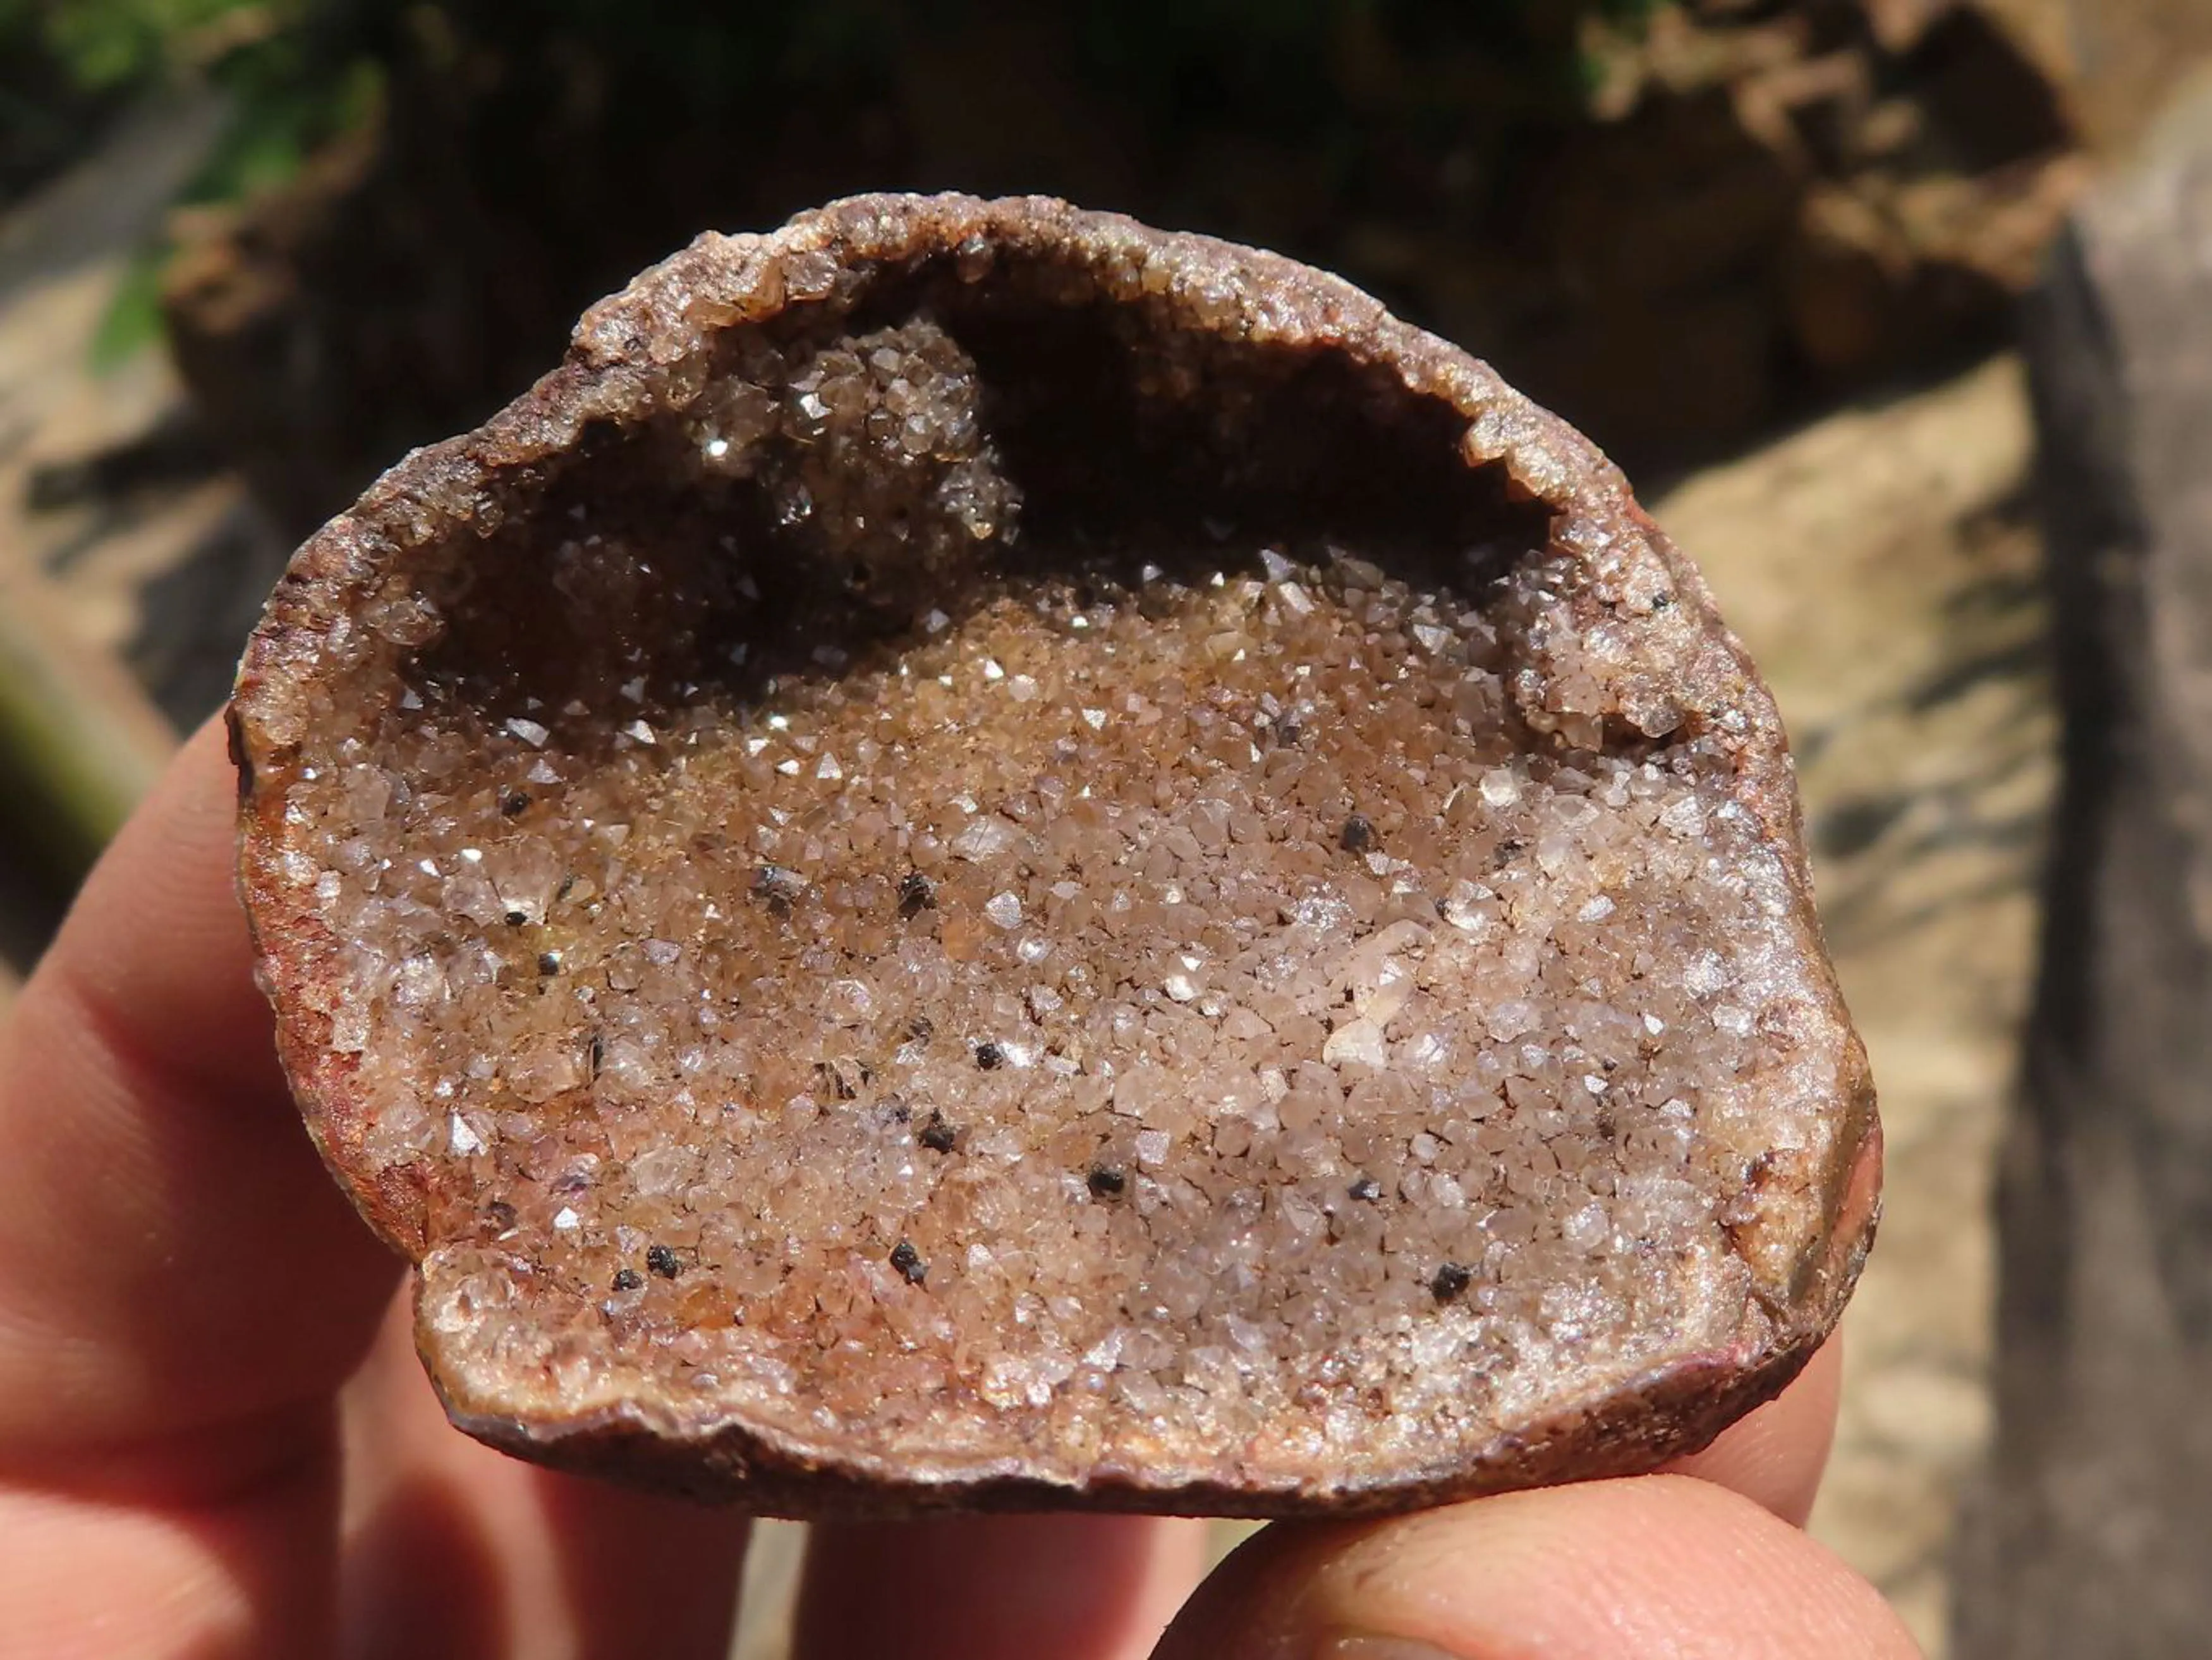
{"x": 84, "y": 1577}
{"x": 1775, "y": 1456}
{"x": 455, "y": 1550}
{"x": 995, "y": 1587}
{"x": 1662, "y": 1565}
{"x": 176, "y": 1270}
{"x": 180, "y": 1286}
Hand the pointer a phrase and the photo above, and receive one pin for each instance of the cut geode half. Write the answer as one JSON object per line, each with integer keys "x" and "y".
{"x": 984, "y": 857}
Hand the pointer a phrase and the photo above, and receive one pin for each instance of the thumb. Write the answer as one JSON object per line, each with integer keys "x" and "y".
{"x": 1664, "y": 1565}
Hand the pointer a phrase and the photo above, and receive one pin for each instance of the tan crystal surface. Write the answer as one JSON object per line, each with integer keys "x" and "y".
{"x": 986, "y": 857}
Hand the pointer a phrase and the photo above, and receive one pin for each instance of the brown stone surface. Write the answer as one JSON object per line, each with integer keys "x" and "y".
{"x": 2097, "y": 1526}
{"x": 988, "y": 857}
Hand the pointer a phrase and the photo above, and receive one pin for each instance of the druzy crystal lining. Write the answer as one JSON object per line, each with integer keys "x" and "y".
{"x": 1001, "y": 880}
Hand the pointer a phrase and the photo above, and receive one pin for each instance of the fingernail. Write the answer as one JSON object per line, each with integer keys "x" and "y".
{"x": 1354, "y": 1646}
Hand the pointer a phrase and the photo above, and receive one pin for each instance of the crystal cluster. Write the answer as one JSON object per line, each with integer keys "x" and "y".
{"x": 877, "y": 447}
{"x": 1003, "y": 886}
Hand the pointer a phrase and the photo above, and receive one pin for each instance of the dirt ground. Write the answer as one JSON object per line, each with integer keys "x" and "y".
{"x": 1878, "y": 564}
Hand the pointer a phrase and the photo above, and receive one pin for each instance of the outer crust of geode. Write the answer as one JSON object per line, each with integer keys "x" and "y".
{"x": 1817, "y": 1220}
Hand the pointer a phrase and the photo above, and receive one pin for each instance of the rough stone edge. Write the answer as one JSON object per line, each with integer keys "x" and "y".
{"x": 623, "y": 350}
{"x": 1669, "y": 1412}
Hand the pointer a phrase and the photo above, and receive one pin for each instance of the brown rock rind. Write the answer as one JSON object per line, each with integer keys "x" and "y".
{"x": 640, "y": 360}
{"x": 1670, "y": 1413}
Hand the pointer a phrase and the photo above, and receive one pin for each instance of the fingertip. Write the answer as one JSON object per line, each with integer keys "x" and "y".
{"x": 1653, "y": 1564}
{"x": 1775, "y": 1456}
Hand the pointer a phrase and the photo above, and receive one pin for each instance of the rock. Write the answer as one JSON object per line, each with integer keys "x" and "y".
{"x": 2130, "y": 61}
{"x": 2095, "y": 1531}
{"x": 984, "y": 857}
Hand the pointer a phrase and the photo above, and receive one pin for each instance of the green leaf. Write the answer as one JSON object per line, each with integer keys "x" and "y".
{"x": 132, "y": 321}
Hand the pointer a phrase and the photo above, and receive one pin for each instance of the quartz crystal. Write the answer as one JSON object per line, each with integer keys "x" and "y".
{"x": 984, "y": 857}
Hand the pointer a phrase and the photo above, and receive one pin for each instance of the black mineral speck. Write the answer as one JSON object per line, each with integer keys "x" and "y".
{"x": 936, "y": 1134}
{"x": 916, "y": 895}
{"x": 548, "y": 962}
{"x": 499, "y": 1214}
{"x": 515, "y": 919}
{"x": 989, "y": 1056}
{"x": 627, "y": 1279}
{"x": 776, "y": 887}
{"x": 662, "y": 1260}
{"x": 1450, "y": 1281}
{"x": 513, "y": 802}
{"x": 908, "y": 1261}
{"x": 1107, "y": 1180}
{"x": 1366, "y": 1189}
{"x": 1357, "y": 835}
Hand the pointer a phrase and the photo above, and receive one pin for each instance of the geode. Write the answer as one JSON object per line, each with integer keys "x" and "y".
{"x": 984, "y": 857}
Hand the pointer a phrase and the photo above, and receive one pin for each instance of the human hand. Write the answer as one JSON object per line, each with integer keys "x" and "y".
{"x": 215, "y": 1440}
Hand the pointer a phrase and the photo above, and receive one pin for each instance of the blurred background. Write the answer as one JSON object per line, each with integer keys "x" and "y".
{"x": 1830, "y": 278}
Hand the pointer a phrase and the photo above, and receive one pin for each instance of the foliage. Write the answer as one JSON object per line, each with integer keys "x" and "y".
{"x": 132, "y": 321}
{"x": 275, "y": 47}
{"x": 293, "y": 69}
{"x": 102, "y": 44}
{"x": 1351, "y": 84}
{"x": 293, "y": 72}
